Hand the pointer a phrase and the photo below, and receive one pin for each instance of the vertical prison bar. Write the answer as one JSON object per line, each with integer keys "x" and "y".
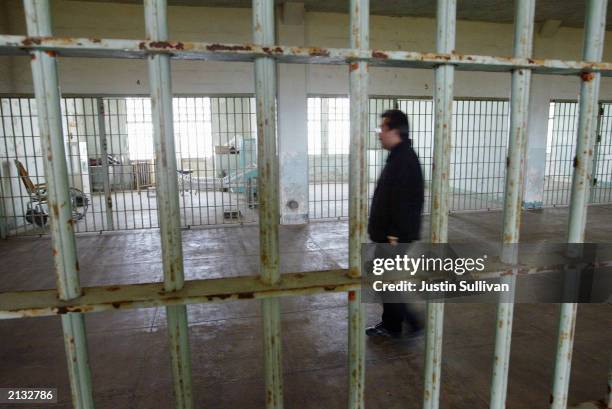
{"x": 443, "y": 111}
{"x": 156, "y": 24}
{"x": 46, "y": 89}
{"x": 515, "y": 171}
{"x": 267, "y": 165}
{"x": 358, "y": 195}
{"x": 594, "y": 32}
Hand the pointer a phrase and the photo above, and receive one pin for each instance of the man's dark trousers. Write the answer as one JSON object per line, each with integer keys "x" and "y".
{"x": 395, "y": 313}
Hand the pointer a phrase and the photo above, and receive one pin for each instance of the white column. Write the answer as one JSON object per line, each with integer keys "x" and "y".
{"x": 536, "y": 145}
{"x": 292, "y": 121}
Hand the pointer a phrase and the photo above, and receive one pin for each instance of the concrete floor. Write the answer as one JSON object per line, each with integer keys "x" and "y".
{"x": 129, "y": 353}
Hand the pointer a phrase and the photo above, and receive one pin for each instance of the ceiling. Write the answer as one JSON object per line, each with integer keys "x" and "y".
{"x": 570, "y": 12}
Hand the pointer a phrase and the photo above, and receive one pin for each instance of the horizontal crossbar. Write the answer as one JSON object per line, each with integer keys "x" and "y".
{"x": 119, "y": 48}
{"x": 129, "y": 296}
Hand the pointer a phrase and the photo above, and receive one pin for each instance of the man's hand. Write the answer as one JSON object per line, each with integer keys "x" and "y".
{"x": 392, "y": 240}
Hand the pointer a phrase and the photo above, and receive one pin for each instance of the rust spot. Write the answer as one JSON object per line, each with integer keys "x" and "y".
{"x": 351, "y": 295}
{"x": 116, "y": 305}
{"x": 28, "y": 41}
{"x": 61, "y": 310}
{"x": 113, "y": 288}
{"x": 32, "y": 57}
{"x": 76, "y": 266}
{"x": 164, "y": 44}
{"x": 221, "y": 47}
{"x": 55, "y": 209}
{"x": 576, "y": 162}
{"x": 51, "y": 53}
{"x": 353, "y": 66}
{"x": 55, "y": 252}
{"x": 218, "y": 296}
{"x": 96, "y": 40}
{"x": 71, "y": 222}
{"x": 530, "y": 61}
{"x": 587, "y": 76}
{"x": 142, "y": 45}
{"x": 379, "y": 54}
{"x": 318, "y": 52}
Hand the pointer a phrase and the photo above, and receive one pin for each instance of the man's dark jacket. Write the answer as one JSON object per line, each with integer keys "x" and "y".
{"x": 398, "y": 197}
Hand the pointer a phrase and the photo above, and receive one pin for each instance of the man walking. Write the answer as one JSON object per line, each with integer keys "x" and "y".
{"x": 395, "y": 213}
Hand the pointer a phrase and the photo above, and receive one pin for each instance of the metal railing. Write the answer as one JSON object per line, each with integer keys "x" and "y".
{"x": 71, "y": 301}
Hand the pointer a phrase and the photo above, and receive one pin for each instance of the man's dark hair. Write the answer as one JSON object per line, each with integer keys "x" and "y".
{"x": 396, "y": 119}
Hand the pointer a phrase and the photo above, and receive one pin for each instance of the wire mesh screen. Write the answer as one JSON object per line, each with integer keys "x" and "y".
{"x": 328, "y": 149}
{"x": 560, "y": 152}
{"x": 480, "y": 135}
{"x": 216, "y": 150}
{"x": 602, "y": 182}
{"x": 22, "y": 174}
{"x": 478, "y": 158}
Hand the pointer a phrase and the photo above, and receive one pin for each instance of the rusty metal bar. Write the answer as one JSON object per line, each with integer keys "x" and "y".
{"x": 156, "y": 24}
{"x": 120, "y": 48}
{"x": 594, "y": 33}
{"x": 443, "y": 111}
{"x": 46, "y": 89}
{"x": 358, "y": 196}
{"x": 267, "y": 165}
{"x": 130, "y": 296}
{"x": 21, "y": 304}
{"x": 515, "y": 171}
{"x": 104, "y": 157}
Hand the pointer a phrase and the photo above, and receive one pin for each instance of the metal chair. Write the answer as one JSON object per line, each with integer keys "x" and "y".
{"x": 37, "y": 208}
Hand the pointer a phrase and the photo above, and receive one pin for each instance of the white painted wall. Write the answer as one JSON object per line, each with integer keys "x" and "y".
{"x": 111, "y": 20}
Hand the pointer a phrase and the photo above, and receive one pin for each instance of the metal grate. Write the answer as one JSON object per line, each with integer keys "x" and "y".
{"x": 601, "y": 191}
{"x": 328, "y": 148}
{"x": 560, "y": 152}
{"x": 479, "y": 150}
{"x": 216, "y": 159}
{"x": 478, "y": 159}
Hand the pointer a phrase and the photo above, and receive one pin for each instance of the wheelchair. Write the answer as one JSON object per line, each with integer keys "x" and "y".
{"x": 38, "y": 209}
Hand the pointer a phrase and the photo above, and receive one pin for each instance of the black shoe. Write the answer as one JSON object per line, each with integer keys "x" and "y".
{"x": 379, "y": 330}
